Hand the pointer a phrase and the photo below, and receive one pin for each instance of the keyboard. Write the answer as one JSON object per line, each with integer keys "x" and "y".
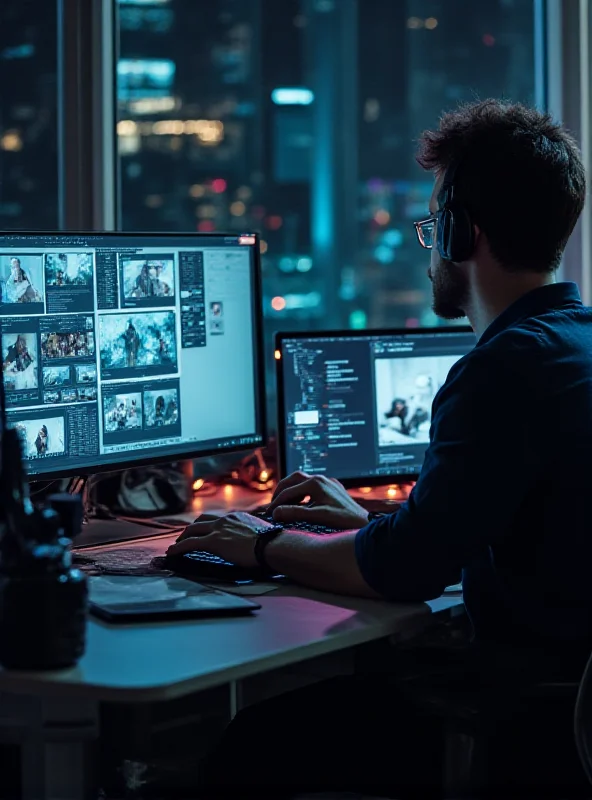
{"x": 305, "y": 527}
{"x": 205, "y": 565}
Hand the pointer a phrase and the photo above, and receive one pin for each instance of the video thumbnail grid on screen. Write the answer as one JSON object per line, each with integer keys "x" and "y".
{"x": 92, "y": 342}
{"x": 362, "y": 406}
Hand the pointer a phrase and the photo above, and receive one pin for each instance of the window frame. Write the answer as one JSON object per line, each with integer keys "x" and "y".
{"x": 88, "y": 194}
{"x": 567, "y": 32}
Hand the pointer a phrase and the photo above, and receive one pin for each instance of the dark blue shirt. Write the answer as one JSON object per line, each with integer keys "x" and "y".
{"x": 505, "y": 492}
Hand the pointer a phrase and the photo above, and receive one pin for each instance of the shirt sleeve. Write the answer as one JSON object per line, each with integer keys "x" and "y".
{"x": 481, "y": 423}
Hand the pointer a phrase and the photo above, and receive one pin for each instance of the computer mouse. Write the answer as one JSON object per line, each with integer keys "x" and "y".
{"x": 165, "y": 561}
{"x": 171, "y": 563}
{"x": 207, "y": 517}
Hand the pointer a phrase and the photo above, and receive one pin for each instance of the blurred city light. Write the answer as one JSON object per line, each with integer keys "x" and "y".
{"x": 292, "y": 96}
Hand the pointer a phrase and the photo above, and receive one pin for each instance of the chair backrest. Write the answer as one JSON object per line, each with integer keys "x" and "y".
{"x": 583, "y": 720}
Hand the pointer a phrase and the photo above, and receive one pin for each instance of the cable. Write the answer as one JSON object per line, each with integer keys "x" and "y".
{"x": 255, "y": 472}
{"x": 153, "y": 491}
{"x": 44, "y": 488}
{"x": 92, "y": 508}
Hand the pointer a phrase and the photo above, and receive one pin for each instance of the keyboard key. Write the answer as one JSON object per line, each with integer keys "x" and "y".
{"x": 305, "y": 527}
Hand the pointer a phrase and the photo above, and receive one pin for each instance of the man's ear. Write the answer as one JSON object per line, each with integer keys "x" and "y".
{"x": 478, "y": 239}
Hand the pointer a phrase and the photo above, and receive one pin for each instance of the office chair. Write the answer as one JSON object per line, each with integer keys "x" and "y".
{"x": 470, "y": 727}
{"x": 583, "y": 721}
{"x": 470, "y": 723}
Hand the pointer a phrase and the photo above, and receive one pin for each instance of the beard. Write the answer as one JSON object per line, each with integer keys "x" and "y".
{"x": 450, "y": 290}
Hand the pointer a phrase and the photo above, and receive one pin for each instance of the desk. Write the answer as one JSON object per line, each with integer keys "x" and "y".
{"x": 55, "y": 716}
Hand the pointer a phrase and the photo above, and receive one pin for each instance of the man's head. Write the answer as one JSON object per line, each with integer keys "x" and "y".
{"x": 520, "y": 178}
{"x": 15, "y": 266}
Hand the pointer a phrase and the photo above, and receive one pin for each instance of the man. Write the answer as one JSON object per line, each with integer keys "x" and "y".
{"x": 159, "y": 409}
{"x": 18, "y": 286}
{"x": 41, "y": 441}
{"x": 504, "y": 503}
{"x": 158, "y": 287}
{"x": 142, "y": 282}
{"x": 18, "y": 355}
{"x": 163, "y": 350}
{"x": 400, "y": 410}
{"x": 132, "y": 344}
{"x": 121, "y": 415}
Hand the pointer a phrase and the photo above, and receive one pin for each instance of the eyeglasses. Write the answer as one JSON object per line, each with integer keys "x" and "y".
{"x": 425, "y": 230}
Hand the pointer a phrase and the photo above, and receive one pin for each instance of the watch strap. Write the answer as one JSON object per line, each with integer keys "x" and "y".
{"x": 263, "y": 537}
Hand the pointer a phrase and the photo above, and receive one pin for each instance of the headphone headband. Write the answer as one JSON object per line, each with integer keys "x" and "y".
{"x": 447, "y": 188}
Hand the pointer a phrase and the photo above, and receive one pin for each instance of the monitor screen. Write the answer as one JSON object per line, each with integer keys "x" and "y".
{"x": 121, "y": 348}
{"x": 357, "y": 406}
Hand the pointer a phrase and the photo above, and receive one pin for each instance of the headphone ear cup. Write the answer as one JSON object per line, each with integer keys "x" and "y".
{"x": 444, "y": 233}
{"x": 458, "y": 238}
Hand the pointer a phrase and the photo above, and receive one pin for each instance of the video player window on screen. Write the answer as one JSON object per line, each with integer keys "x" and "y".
{"x": 361, "y": 406}
{"x": 117, "y": 348}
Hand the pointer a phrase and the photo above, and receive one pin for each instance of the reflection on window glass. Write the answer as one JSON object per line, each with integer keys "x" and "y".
{"x": 221, "y": 127}
{"x": 28, "y": 115}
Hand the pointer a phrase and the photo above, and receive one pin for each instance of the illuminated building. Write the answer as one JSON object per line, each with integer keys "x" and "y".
{"x": 28, "y": 115}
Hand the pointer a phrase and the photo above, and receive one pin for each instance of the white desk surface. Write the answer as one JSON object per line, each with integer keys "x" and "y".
{"x": 160, "y": 661}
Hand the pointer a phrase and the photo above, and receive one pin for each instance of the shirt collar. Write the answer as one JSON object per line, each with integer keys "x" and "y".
{"x": 552, "y": 297}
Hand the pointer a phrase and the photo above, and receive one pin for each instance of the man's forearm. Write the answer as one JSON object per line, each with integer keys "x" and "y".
{"x": 322, "y": 562}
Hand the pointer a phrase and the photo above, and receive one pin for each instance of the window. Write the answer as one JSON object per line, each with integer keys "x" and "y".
{"x": 28, "y": 115}
{"x": 298, "y": 119}
{"x": 415, "y": 61}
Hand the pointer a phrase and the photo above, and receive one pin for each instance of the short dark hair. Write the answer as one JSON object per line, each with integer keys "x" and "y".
{"x": 520, "y": 176}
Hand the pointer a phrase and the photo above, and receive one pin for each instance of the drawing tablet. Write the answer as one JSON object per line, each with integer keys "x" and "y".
{"x": 123, "y": 598}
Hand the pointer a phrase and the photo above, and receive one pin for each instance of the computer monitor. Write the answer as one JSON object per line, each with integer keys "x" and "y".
{"x": 356, "y": 405}
{"x": 128, "y": 348}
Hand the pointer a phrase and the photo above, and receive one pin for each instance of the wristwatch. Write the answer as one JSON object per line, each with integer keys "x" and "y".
{"x": 372, "y": 515}
{"x": 263, "y": 538}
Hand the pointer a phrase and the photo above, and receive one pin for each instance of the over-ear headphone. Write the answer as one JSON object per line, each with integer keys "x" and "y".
{"x": 455, "y": 237}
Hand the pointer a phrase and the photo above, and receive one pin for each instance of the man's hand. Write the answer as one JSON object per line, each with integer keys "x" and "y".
{"x": 321, "y": 562}
{"x": 329, "y": 503}
{"x": 232, "y": 538}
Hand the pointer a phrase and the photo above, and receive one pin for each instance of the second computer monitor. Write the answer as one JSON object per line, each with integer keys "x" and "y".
{"x": 121, "y": 348}
{"x": 357, "y": 405}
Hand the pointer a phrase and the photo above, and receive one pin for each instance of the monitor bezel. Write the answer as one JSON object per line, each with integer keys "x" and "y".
{"x": 189, "y": 455}
{"x": 283, "y": 336}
